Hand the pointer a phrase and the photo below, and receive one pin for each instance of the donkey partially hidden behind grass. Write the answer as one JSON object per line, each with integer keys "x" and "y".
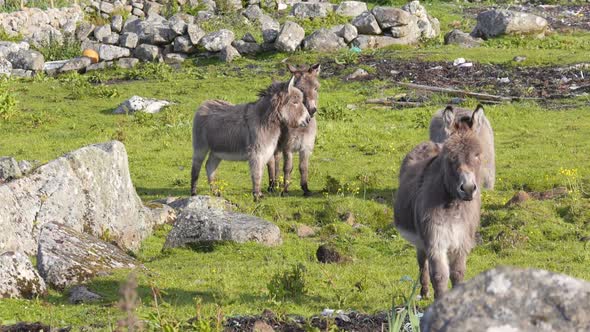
{"x": 438, "y": 202}
{"x": 301, "y": 139}
{"x": 245, "y": 132}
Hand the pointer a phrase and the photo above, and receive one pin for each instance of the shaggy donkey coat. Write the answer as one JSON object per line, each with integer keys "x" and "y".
{"x": 438, "y": 203}
{"x": 245, "y": 132}
{"x": 440, "y": 129}
{"x": 300, "y": 139}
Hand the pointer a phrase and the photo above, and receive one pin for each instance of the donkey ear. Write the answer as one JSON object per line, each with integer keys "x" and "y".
{"x": 448, "y": 116}
{"x": 315, "y": 69}
{"x": 291, "y": 85}
{"x": 292, "y": 68}
{"x": 477, "y": 117}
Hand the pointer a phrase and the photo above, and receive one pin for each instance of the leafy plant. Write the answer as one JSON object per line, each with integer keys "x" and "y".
{"x": 397, "y": 316}
{"x": 60, "y": 50}
{"x": 289, "y": 284}
{"x": 7, "y": 104}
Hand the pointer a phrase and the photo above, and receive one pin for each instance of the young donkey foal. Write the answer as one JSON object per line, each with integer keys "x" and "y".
{"x": 245, "y": 132}
{"x": 300, "y": 140}
{"x": 438, "y": 202}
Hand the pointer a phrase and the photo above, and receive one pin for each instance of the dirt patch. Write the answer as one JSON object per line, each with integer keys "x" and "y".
{"x": 498, "y": 79}
{"x": 352, "y": 321}
{"x": 561, "y": 18}
{"x": 31, "y": 327}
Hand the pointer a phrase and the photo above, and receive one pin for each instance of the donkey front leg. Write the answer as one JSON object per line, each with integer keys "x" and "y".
{"x": 211, "y": 167}
{"x": 272, "y": 181}
{"x": 424, "y": 274}
{"x": 198, "y": 158}
{"x": 458, "y": 266}
{"x": 287, "y": 168}
{"x": 439, "y": 272}
{"x": 256, "y": 170}
{"x": 303, "y": 170}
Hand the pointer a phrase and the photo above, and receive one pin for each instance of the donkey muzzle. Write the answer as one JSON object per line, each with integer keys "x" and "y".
{"x": 305, "y": 122}
{"x": 467, "y": 187}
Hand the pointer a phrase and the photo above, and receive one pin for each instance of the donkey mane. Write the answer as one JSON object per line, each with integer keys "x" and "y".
{"x": 274, "y": 94}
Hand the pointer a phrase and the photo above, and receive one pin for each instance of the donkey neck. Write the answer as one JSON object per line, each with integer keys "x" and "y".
{"x": 433, "y": 182}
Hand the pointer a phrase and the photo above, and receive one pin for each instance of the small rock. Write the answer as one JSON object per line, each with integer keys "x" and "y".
{"x": 360, "y": 73}
{"x": 102, "y": 32}
{"x": 270, "y": 28}
{"x": 9, "y": 169}
{"x": 183, "y": 44}
{"x": 81, "y": 294}
{"x": 290, "y": 37}
{"x": 146, "y": 52}
{"x": 519, "y": 58}
{"x": 304, "y": 231}
{"x": 247, "y": 48}
{"x": 373, "y": 42}
{"x": 496, "y": 22}
{"x": 26, "y": 60}
{"x": 346, "y": 31}
{"x": 195, "y": 33}
{"x": 174, "y": 58}
{"x": 152, "y": 8}
{"x": 112, "y": 39}
{"x": 388, "y": 17}
{"x": 311, "y": 10}
{"x": 351, "y": 8}
{"x": 5, "y": 67}
{"x": 503, "y": 80}
{"x": 106, "y": 7}
{"x": 323, "y": 40}
{"x": 76, "y": 64}
{"x": 26, "y": 166}
{"x": 229, "y": 54}
{"x": 261, "y": 326}
{"x": 111, "y": 52}
{"x": 22, "y": 73}
{"x": 462, "y": 39}
{"x": 18, "y": 278}
{"x": 366, "y": 23}
{"x": 84, "y": 30}
{"x": 140, "y": 104}
{"x": 348, "y": 218}
{"x": 328, "y": 254}
{"x": 127, "y": 63}
{"x": 253, "y": 13}
{"x": 458, "y": 61}
{"x": 128, "y": 40}
{"x": 97, "y": 66}
{"x": 518, "y": 198}
{"x": 117, "y": 23}
{"x": 248, "y": 38}
{"x": 216, "y": 41}
{"x": 178, "y": 25}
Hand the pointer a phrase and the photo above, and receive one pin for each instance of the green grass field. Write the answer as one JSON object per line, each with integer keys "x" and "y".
{"x": 359, "y": 149}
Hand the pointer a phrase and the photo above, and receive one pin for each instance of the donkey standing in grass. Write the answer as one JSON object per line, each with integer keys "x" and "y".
{"x": 301, "y": 139}
{"x": 441, "y": 127}
{"x": 438, "y": 202}
{"x": 245, "y": 132}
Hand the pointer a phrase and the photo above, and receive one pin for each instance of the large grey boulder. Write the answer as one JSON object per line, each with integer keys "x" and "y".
{"x": 311, "y": 10}
{"x": 373, "y": 42}
{"x": 366, "y": 23}
{"x": 323, "y": 40}
{"x": 111, "y": 52}
{"x": 18, "y": 277}
{"x": 428, "y": 25}
{"x": 513, "y": 299}
{"x": 89, "y": 190}
{"x": 216, "y": 41}
{"x": 290, "y": 37}
{"x": 351, "y": 8}
{"x": 26, "y": 59}
{"x": 66, "y": 257}
{"x": 11, "y": 47}
{"x": 140, "y": 104}
{"x": 346, "y": 31}
{"x": 493, "y": 23}
{"x": 9, "y": 169}
{"x": 463, "y": 39}
{"x": 270, "y": 28}
{"x": 147, "y": 52}
{"x": 198, "y": 226}
{"x": 155, "y": 30}
{"x": 388, "y": 17}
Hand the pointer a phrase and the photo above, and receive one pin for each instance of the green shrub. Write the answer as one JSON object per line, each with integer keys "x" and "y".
{"x": 289, "y": 284}
{"x": 7, "y": 104}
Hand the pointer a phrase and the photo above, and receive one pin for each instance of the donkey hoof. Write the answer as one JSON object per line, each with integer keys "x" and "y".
{"x": 284, "y": 193}
{"x": 271, "y": 189}
{"x": 258, "y": 197}
{"x": 307, "y": 193}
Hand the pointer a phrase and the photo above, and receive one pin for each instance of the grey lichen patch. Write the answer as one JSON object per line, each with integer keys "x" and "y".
{"x": 18, "y": 278}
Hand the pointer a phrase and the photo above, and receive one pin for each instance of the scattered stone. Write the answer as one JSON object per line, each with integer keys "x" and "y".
{"x": 366, "y": 23}
{"x": 429, "y": 26}
{"x": 81, "y": 294}
{"x": 146, "y": 52}
{"x": 127, "y": 63}
{"x": 373, "y": 42}
{"x": 217, "y": 41}
{"x": 102, "y": 32}
{"x": 348, "y": 217}
{"x": 76, "y": 64}
{"x": 323, "y": 40}
{"x": 304, "y": 231}
{"x": 66, "y": 257}
{"x": 26, "y": 166}
{"x": 198, "y": 202}
{"x": 26, "y": 60}
{"x": 497, "y": 22}
{"x": 84, "y": 30}
{"x": 174, "y": 58}
{"x": 195, "y": 33}
{"x": 262, "y": 326}
{"x": 360, "y": 73}
{"x": 112, "y": 39}
{"x": 22, "y": 73}
{"x": 9, "y": 169}
{"x": 97, "y": 66}
{"x": 328, "y": 254}
{"x": 140, "y": 104}
{"x": 128, "y": 40}
{"x": 389, "y": 17}
{"x": 351, "y": 8}
{"x": 111, "y": 52}
{"x": 152, "y": 8}
{"x": 5, "y": 67}
{"x": 117, "y": 23}
{"x": 462, "y": 39}
{"x": 18, "y": 278}
{"x": 346, "y": 31}
{"x": 311, "y": 10}
{"x": 410, "y": 31}
{"x": 183, "y": 44}
{"x": 213, "y": 225}
{"x": 248, "y": 38}
{"x": 106, "y": 7}
{"x": 270, "y": 28}
{"x": 246, "y": 48}
{"x": 519, "y": 58}
{"x": 229, "y": 54}
{"x": 512, "y": 299}
{"x": 178, "y": 25}
{"x": 290, "y": 37}
{"x": 89, "y": 189}
{"x": 253, "y": 13}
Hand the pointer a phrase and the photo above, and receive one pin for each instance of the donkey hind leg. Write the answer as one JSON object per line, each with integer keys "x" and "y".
{"x": 458, "y": 265}
{"x": 198, "y": 158}
{"x": 287, "y": 168}
{"x": 256, "y": 170}
{"x": 211, "y": 167}
{"x": 273, "y": 166}
{"x": 424, "y": 274}
{"x": 304, "y": 171}
{"x": 438, "y": 264}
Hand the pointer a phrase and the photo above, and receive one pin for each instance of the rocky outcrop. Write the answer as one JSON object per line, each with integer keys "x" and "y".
{"x": 513, "y": 299}
{"x": 497, "y": 22}
{"x": 88, "y": 190}
{"x": 66, "y": 257}
{"x": 212, "y": 225}
{"x": 18, "y": 278}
